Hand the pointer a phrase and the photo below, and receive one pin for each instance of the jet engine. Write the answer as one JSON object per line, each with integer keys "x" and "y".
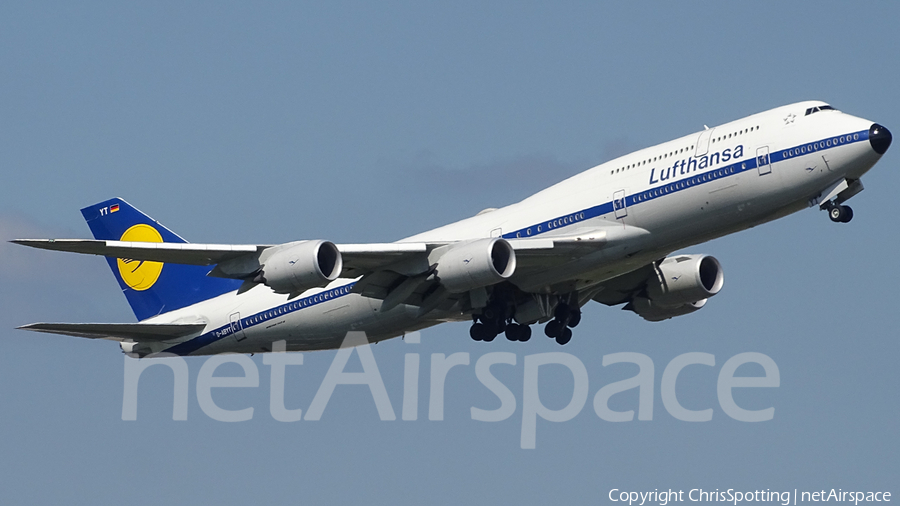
{"x": 476, "y": 264}
{"x": 679, "y": 286}
{"x": 299, "y": 266}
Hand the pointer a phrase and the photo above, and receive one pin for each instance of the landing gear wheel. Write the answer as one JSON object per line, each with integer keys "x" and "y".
{"x": 848, "y": 211}
{"x": 524, "y": 333}
{"x": 477, "y": 332}
{"x": 553, "y": 328}
{"x": 574, "y": 318}
{"x": 489, "y": 337}
{"x": 513, "y": 331}
{"x": 834, "y": 212}
{"x": 565, "y": 336}
{"x": 840, "y": 214}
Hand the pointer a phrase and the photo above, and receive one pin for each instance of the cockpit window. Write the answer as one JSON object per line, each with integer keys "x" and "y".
{"x": 813, "y": 110}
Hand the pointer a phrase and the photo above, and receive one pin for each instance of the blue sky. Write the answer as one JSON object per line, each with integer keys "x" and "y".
{"x": 356, "y": 122}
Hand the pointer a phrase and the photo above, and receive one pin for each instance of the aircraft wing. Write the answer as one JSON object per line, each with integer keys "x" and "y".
{"x": 358, "y": 258}
{"x": 166, "y": 252}
{"x": 119, "y": 331}
{"x": 411, "y": 258}
{"x": 382, "y": 265}
{"x": 534, "y": 256}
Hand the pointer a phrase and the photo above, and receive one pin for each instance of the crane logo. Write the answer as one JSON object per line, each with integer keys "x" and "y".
{"x": 140, "y": 274}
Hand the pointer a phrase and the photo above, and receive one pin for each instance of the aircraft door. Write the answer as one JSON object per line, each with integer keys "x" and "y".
{"x": 763, "y": 163}
{"x": 619, "y": 204}
{"x": 703, "y": 142}
{"x": 237, "y": 329}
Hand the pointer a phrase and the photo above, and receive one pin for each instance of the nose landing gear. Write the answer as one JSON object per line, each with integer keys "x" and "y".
{"x": 839, "y": 213}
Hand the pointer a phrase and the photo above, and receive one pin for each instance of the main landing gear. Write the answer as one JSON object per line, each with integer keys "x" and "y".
{"x": 559, "y": 327}
{"x": 839, "y": 213}
{"x": 488, "y": 331}
{"x": 496, "y": 319}
{"x": 518, "y": 332}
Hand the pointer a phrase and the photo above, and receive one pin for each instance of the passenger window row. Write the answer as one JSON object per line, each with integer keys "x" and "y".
{"x": 682, "y": 150}
{"x": 300, "y": 304}
{"x": 691, "y": 181}
{"x": 735, "y": 134}
{"x": 815, "y": 146}
{"x": 651, "y": 160}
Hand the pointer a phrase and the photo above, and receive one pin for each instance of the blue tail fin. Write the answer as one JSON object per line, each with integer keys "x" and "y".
{"x": 152, "y": 288}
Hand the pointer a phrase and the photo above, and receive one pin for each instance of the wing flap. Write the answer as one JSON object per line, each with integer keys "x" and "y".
{"x": 119, "y": 331}
{"x": 589, "y": 239}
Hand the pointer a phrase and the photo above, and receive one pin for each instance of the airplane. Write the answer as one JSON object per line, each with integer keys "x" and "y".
{"x": 607, "y": 235}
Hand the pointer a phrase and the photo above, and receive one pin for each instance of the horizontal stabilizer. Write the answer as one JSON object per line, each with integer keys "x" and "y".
{"x": 119, "y": 331}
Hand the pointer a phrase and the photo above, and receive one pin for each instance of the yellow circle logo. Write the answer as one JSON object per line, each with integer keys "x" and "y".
{"x": 140, "y": 274}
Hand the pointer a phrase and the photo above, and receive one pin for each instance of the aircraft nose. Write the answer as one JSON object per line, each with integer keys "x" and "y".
{"x": 880, "y": 138}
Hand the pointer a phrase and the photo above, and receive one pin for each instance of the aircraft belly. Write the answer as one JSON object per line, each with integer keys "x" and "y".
{"x": 335, "y": 317}
{"x": 327, "y": 328}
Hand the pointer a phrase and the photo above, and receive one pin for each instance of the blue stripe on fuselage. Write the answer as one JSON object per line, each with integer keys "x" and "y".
{"x": 188, "y": 347}
{"x": 708, "y": 175}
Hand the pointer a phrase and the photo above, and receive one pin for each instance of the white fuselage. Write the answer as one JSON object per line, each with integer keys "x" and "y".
{"x": 683, "y": 192}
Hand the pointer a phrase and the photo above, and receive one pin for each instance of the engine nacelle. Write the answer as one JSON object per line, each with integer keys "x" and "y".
{"x": 476, "y": 264}
{"x": 299, "y": 266}
{"x": 652, "y": 312}
{"x": 135, "y": 350}
{"x": 685, "y": 279}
